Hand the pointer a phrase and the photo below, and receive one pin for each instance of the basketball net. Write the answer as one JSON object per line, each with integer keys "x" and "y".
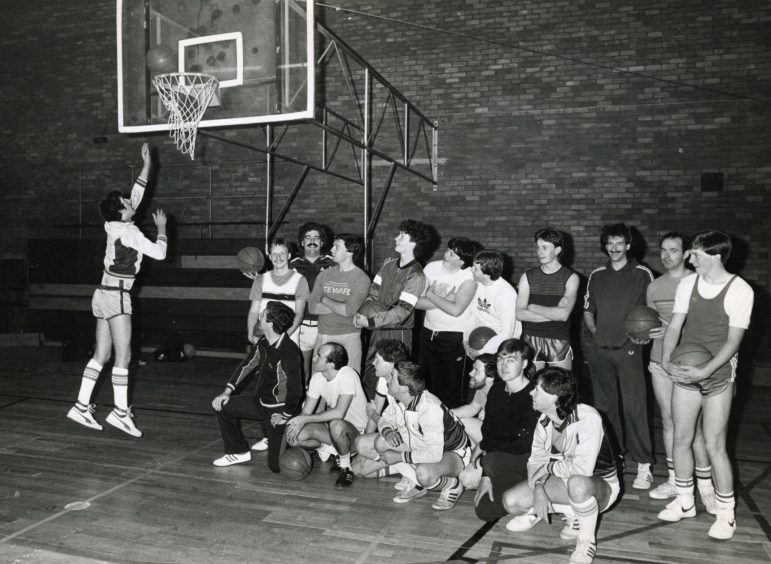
{"x": 186, "y": 96}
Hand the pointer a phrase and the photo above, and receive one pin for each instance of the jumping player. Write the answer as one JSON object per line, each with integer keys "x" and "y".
{"x": 111, "y": 303}
{"x": 571, "y": 463}
{"x": 712, "y": 308}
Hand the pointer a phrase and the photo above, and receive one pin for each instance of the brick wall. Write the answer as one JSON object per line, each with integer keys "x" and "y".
{"x": 566, "y": 113}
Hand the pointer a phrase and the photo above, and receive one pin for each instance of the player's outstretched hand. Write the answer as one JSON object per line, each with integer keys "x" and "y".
{"x": 159, "y": 218}
{"x": 146, "y": 153}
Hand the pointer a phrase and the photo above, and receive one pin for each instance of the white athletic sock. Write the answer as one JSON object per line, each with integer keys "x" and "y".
{"x": 587, "y": 512}
{"x": 344, "y": 461}
{"x": 120, "y": 388}
{"x": 704, "y": 481}
{"x": 684, "y": 492}
{"x": 87, "y": 383}
{"x": 725, "y": 501}
{"x": 671, "y": 470}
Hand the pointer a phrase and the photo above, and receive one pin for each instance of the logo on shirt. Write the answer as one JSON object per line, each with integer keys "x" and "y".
{"x": 483, "y": 305}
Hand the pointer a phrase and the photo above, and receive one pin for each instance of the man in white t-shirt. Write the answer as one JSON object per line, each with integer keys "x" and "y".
{"x": 345, "y": 415}
{"x": 712, "y": 309}
{"x": 494, "y": 304}
{"x": 451, "y": 287}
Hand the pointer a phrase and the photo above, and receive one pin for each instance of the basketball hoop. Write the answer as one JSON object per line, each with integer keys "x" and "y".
{"x": 186, "y": 95}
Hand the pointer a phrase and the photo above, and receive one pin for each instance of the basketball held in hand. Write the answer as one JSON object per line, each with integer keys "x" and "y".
{"x": 478, "y": 338}
{"x": 690, "y": 354}
{"x": 639, "y": 322}
{"x": 296, "y": 463}
{"x": 250, "y": 260}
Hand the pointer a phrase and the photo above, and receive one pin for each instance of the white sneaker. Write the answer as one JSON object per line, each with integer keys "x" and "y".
{"x": 230, "y": 459}
{"x": 724, "y": 526}
{"x": 522, "y": 523}
{"x": 664, "y": 490}
{"x": 570, "y": 530}
{"x": 584, "y": 552}
{"x": 261, "y": 446}
{"x": 710, "y": 503}
{"x": 644, "y": 477}
{"x": 85, "y": 418}
{"x": 674, "y": 511}
{"x": 124, "y": 422}
{"x": 407, "y": 495}
{"x": 403, "y": 484}
{"x": 449, "y": 497}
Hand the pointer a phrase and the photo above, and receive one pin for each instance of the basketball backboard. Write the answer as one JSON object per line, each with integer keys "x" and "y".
{"x": 260, "y": 51}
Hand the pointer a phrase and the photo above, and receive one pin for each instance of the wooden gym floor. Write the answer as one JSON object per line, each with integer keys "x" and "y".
{"x": 159, "y": 499}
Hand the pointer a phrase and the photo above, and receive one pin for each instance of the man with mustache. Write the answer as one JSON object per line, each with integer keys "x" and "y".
{"x": 615, "y": 361}
{"x": 312, "y": 238}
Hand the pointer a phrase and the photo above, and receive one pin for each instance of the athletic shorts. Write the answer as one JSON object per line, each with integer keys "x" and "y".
{"x": 110, "y": 302}
{"x": 550, "y": 350}
{"x": 615, "y": 490}
{"x": 308, "y": 331}
{"x": 717, "y": 382}
{"x": 464, "y": 454}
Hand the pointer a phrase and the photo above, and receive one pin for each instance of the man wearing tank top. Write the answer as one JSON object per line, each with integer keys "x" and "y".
{"x": 712, "y": 308}
{"x": 547, "y": 294}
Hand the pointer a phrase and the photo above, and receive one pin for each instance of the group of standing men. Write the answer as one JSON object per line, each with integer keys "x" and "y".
{"x": 524, "y": 442}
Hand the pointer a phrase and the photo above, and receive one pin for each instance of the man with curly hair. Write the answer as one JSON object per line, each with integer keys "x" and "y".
{"x": 571, "y": 469}
{"x": 389, "y": 309}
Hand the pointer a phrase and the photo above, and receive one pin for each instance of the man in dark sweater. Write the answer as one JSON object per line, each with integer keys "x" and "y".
{"x": 615, "y": 362}
{"x": 276, "y": 364}
{"x": 499, "y": 461}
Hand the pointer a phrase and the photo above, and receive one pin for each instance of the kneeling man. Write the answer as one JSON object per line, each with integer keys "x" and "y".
{"x": 571, "y": 462}
{"x": 343, "y": 416}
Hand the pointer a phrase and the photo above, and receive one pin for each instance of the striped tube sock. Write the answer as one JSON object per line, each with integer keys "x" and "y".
{"x": 87, "y": 383}
{"x": 684, "y": 489}
{"x": 120, "y": 388}
{"x": 586, "y": 512}
{"x": 671, "y": 470}
{"x": 704, "y": 480}
{"x": 344, "y": 461}
{"x": 442, "y": 483}
{"x": 725, "y": 501}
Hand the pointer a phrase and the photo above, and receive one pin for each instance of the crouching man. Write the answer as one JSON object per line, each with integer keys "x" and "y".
{"x": 343, "y": 416}
{"x": 420, "y": 437}
{"x": 571, "y": 463}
